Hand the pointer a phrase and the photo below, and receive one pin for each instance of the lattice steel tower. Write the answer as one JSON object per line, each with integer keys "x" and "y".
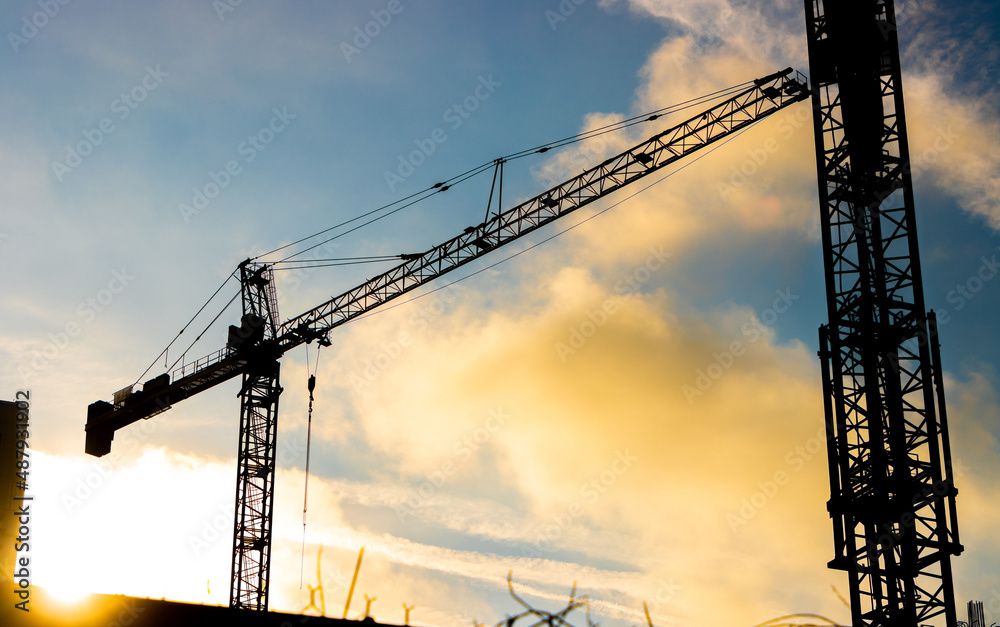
{"x": 892, "y": 491}
{"x": 254, "y": 341}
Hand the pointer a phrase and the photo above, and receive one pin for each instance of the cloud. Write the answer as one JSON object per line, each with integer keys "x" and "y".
{"x": 953, "y": 142}
{"x": 573, "y": 415}
{"x": 731, "y": 29}
{"x": 953, "y": 127}
{"x": 759, "y": 185}
{"x": 725, "y": 490}
{"x": 602, "y": 453}
{"x": 728, "y": 482}
{"x": 974, "y": 425}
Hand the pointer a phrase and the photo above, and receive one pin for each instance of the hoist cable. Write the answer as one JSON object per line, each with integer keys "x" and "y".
{"x": 164, "y": 351}
{"x": 217, "y": 316}
{"x": 445, "y": 185}
{"x": 616, "y": 126}
{"x": 305, "y": 497}
{"x": 366, "y": 258}
{"x": 464, "y": 177}
{"x": 385, "y": 308}
{"x": 430, "y": 191}
{"x": 336, "y": 264}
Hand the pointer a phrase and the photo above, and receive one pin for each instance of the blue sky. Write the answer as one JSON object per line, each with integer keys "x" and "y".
{"x": 105, "y": 261}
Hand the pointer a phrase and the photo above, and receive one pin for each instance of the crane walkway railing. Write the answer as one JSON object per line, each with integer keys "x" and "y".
{"x": 200, "y": 364}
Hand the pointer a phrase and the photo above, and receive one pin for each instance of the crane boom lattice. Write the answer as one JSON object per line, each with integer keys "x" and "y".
{"x": 254, "y": 348}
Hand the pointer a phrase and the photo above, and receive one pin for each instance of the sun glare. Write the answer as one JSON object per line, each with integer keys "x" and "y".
{"x": 65, "y": 593}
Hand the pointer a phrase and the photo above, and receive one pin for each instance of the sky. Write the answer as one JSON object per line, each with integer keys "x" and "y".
{"x": 536, "y": 418}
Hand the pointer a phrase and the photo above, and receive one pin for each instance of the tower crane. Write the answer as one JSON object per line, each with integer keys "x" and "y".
{"x": 255, "y": 346}
{"x": 892, "y": 488}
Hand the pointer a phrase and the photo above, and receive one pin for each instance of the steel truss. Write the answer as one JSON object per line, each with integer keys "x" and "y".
{"x": 764, "y": 97}
{"x": 892, "y": 490}
{"x": 258, "y": 442}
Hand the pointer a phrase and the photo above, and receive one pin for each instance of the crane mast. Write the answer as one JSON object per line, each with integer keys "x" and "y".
{"x": 255, "y": 470}
{"x": 892, "y": 491}
{"x": 254, "y": 348}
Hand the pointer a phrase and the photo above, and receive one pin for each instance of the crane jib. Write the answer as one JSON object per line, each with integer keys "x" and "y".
{"x": 768, "y": 94}
{"x": 762, "y": 98}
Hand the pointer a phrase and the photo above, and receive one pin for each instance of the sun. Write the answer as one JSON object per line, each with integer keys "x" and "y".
{"x": 67, "y": 593}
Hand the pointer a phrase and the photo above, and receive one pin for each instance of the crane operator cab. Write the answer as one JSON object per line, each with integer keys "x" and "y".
{"x": 248, "y": 334}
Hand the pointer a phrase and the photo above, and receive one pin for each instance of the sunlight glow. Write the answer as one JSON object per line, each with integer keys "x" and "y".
{"x": 68, "y": 594}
